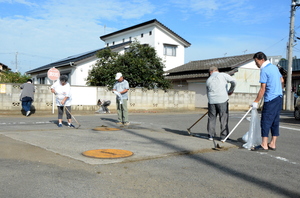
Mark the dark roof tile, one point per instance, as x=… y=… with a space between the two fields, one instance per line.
x=225 y=62
x=295 y=65
x=75 y=58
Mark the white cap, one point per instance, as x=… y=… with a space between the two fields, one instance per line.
x=118 y=76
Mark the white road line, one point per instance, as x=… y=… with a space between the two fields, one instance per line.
x=23 y=123
x=290 y=128
x=279 y=158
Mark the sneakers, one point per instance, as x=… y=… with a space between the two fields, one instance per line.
x=210 y=138
x=59 y=125
x=119 y=123
x=127 y=123
x=27 y=113
x=71 y=125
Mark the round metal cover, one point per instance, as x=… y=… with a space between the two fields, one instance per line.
x=107 y=153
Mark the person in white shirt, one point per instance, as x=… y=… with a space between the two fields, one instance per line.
x=62 y=90
x=121 y=88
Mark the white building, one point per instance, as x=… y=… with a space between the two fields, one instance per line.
x=168 y=45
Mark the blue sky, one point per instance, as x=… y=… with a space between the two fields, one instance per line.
x=44 y=31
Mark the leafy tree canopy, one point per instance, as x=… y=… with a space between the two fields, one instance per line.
x=13 y=77
x=140 y=66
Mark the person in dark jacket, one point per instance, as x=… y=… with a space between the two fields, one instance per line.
x=27 y=96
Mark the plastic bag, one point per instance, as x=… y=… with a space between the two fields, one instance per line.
x=119 y=96
x=253 y=136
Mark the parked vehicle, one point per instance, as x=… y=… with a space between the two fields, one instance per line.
x=297 y=109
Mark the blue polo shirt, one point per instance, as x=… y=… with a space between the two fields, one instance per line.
x=270 y=76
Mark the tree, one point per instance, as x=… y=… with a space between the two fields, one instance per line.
x=13 y=77
x=140 y=66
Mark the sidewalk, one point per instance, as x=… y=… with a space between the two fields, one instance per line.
x=150 y=135
x=18 y=112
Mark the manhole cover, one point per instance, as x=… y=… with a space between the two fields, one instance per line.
x=106 y=129
x=107 y=153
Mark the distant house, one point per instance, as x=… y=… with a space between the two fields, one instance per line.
x=76 y=67
x=168 y=45
x=193 y=75
x=4 y=68
x=295 y=73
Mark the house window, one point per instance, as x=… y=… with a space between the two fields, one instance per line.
x=129 y=38
x=150 y=33
x=113 y=43
x=42 y=80
x=170 y=50
x=123 y=40
x=107 y=44
x=142 y=35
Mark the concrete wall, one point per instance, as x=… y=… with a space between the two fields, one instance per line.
x=85 y=98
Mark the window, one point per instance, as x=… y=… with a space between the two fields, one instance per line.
x=150 y=33
x=113 y=43
x=170 y=50
x=107 y=44
x=129 y=38
x=123 y=40
x=41 y=80
x=142 y=35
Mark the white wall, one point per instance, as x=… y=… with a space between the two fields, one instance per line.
x=162 y=38
x=247 y=78
x=81 y=71
x=134 y=34
x=200 y=93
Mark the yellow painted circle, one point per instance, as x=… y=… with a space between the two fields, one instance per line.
x=107 y=153
x=106 y=129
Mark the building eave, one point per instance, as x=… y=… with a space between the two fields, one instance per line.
x=154 y=22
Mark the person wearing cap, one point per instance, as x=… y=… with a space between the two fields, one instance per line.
x=62 y=90
x=121 y=88
x=27 y=96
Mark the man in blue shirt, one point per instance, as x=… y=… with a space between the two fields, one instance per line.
x=271 y=90
x=121 y=88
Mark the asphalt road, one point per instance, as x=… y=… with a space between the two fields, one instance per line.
x=40 y=160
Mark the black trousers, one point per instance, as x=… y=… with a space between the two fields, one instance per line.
x=61 y=112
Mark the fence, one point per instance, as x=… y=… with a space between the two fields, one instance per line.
x=85 y=98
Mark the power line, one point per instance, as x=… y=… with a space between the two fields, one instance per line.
x=26 y=54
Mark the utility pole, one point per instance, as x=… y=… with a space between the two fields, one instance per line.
x=288 y=89
x=16 y=61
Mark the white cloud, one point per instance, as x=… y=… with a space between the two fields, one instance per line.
x=59 y=29
x=24 y=2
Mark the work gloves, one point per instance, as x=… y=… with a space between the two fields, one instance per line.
x=254 y=105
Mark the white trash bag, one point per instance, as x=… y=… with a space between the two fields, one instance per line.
x=119 y=96
x=253 y=136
